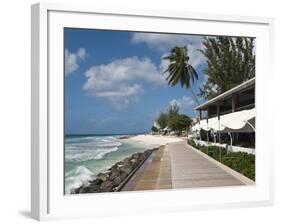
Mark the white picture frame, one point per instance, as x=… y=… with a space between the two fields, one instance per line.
x=48 y=201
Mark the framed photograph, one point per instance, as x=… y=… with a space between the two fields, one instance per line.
x=148 y=111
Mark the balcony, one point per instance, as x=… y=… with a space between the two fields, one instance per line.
x=245 y=107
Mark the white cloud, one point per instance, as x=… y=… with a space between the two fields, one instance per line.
x=185 y=102
x=81 y=53
x=196 y=57
x=165 y=42
x=121 y=81
x=72 y=60
x=164 y=63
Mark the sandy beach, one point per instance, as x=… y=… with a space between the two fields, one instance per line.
x=155 y=140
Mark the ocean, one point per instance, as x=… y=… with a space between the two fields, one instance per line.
x=88 y=155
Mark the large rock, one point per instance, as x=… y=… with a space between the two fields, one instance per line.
x=92 y=188
x=126 y=162
x=133 y=161
x=117 y=181
x=102 y=176
x=127 y=169
x=106 y=186
x=114 y=172
x=136 y=155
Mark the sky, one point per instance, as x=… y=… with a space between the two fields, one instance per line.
x=114 y=82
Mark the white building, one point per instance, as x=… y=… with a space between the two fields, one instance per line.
x=229 y=119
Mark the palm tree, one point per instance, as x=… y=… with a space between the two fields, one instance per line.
x=179 y=69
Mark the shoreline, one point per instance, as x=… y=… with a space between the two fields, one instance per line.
x=115 y=178
x=120 y=172
x=168 y=166
x=154 y=140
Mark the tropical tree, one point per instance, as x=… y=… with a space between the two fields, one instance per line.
x=173 y=119
x=180 y=70
x=230 y=61
x=173 y=110
x=179 y=122
x=163 y=119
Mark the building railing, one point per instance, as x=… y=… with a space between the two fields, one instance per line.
x=226 y=112
x=249 y=106
x=212 y=115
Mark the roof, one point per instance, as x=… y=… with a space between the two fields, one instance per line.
x=235 y=89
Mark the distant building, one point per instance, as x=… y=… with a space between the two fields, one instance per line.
x=229 y=118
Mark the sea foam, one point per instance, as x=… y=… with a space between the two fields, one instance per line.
x=86 y=156
x=77 y=177
x=93 y=148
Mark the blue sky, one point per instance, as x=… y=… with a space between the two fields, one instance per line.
x=114 y=80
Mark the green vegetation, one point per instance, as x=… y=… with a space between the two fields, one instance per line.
x=173 y=119
x=163 y=119
x=179 y=122
x=173 y=110
x=180 y=70
x=242 y=162
x=230 y=60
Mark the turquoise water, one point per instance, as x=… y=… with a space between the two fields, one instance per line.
x=88 y=155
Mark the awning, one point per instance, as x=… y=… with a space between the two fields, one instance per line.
x=212 y=123
x=237 y=120
x=240 y=121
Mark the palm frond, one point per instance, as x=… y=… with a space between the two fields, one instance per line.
x=180 y=71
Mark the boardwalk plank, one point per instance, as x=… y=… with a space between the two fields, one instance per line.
x=178 y=166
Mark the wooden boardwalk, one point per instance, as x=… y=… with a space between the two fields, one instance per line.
x=155 y=173
x=190 y=169
x=178 y=166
